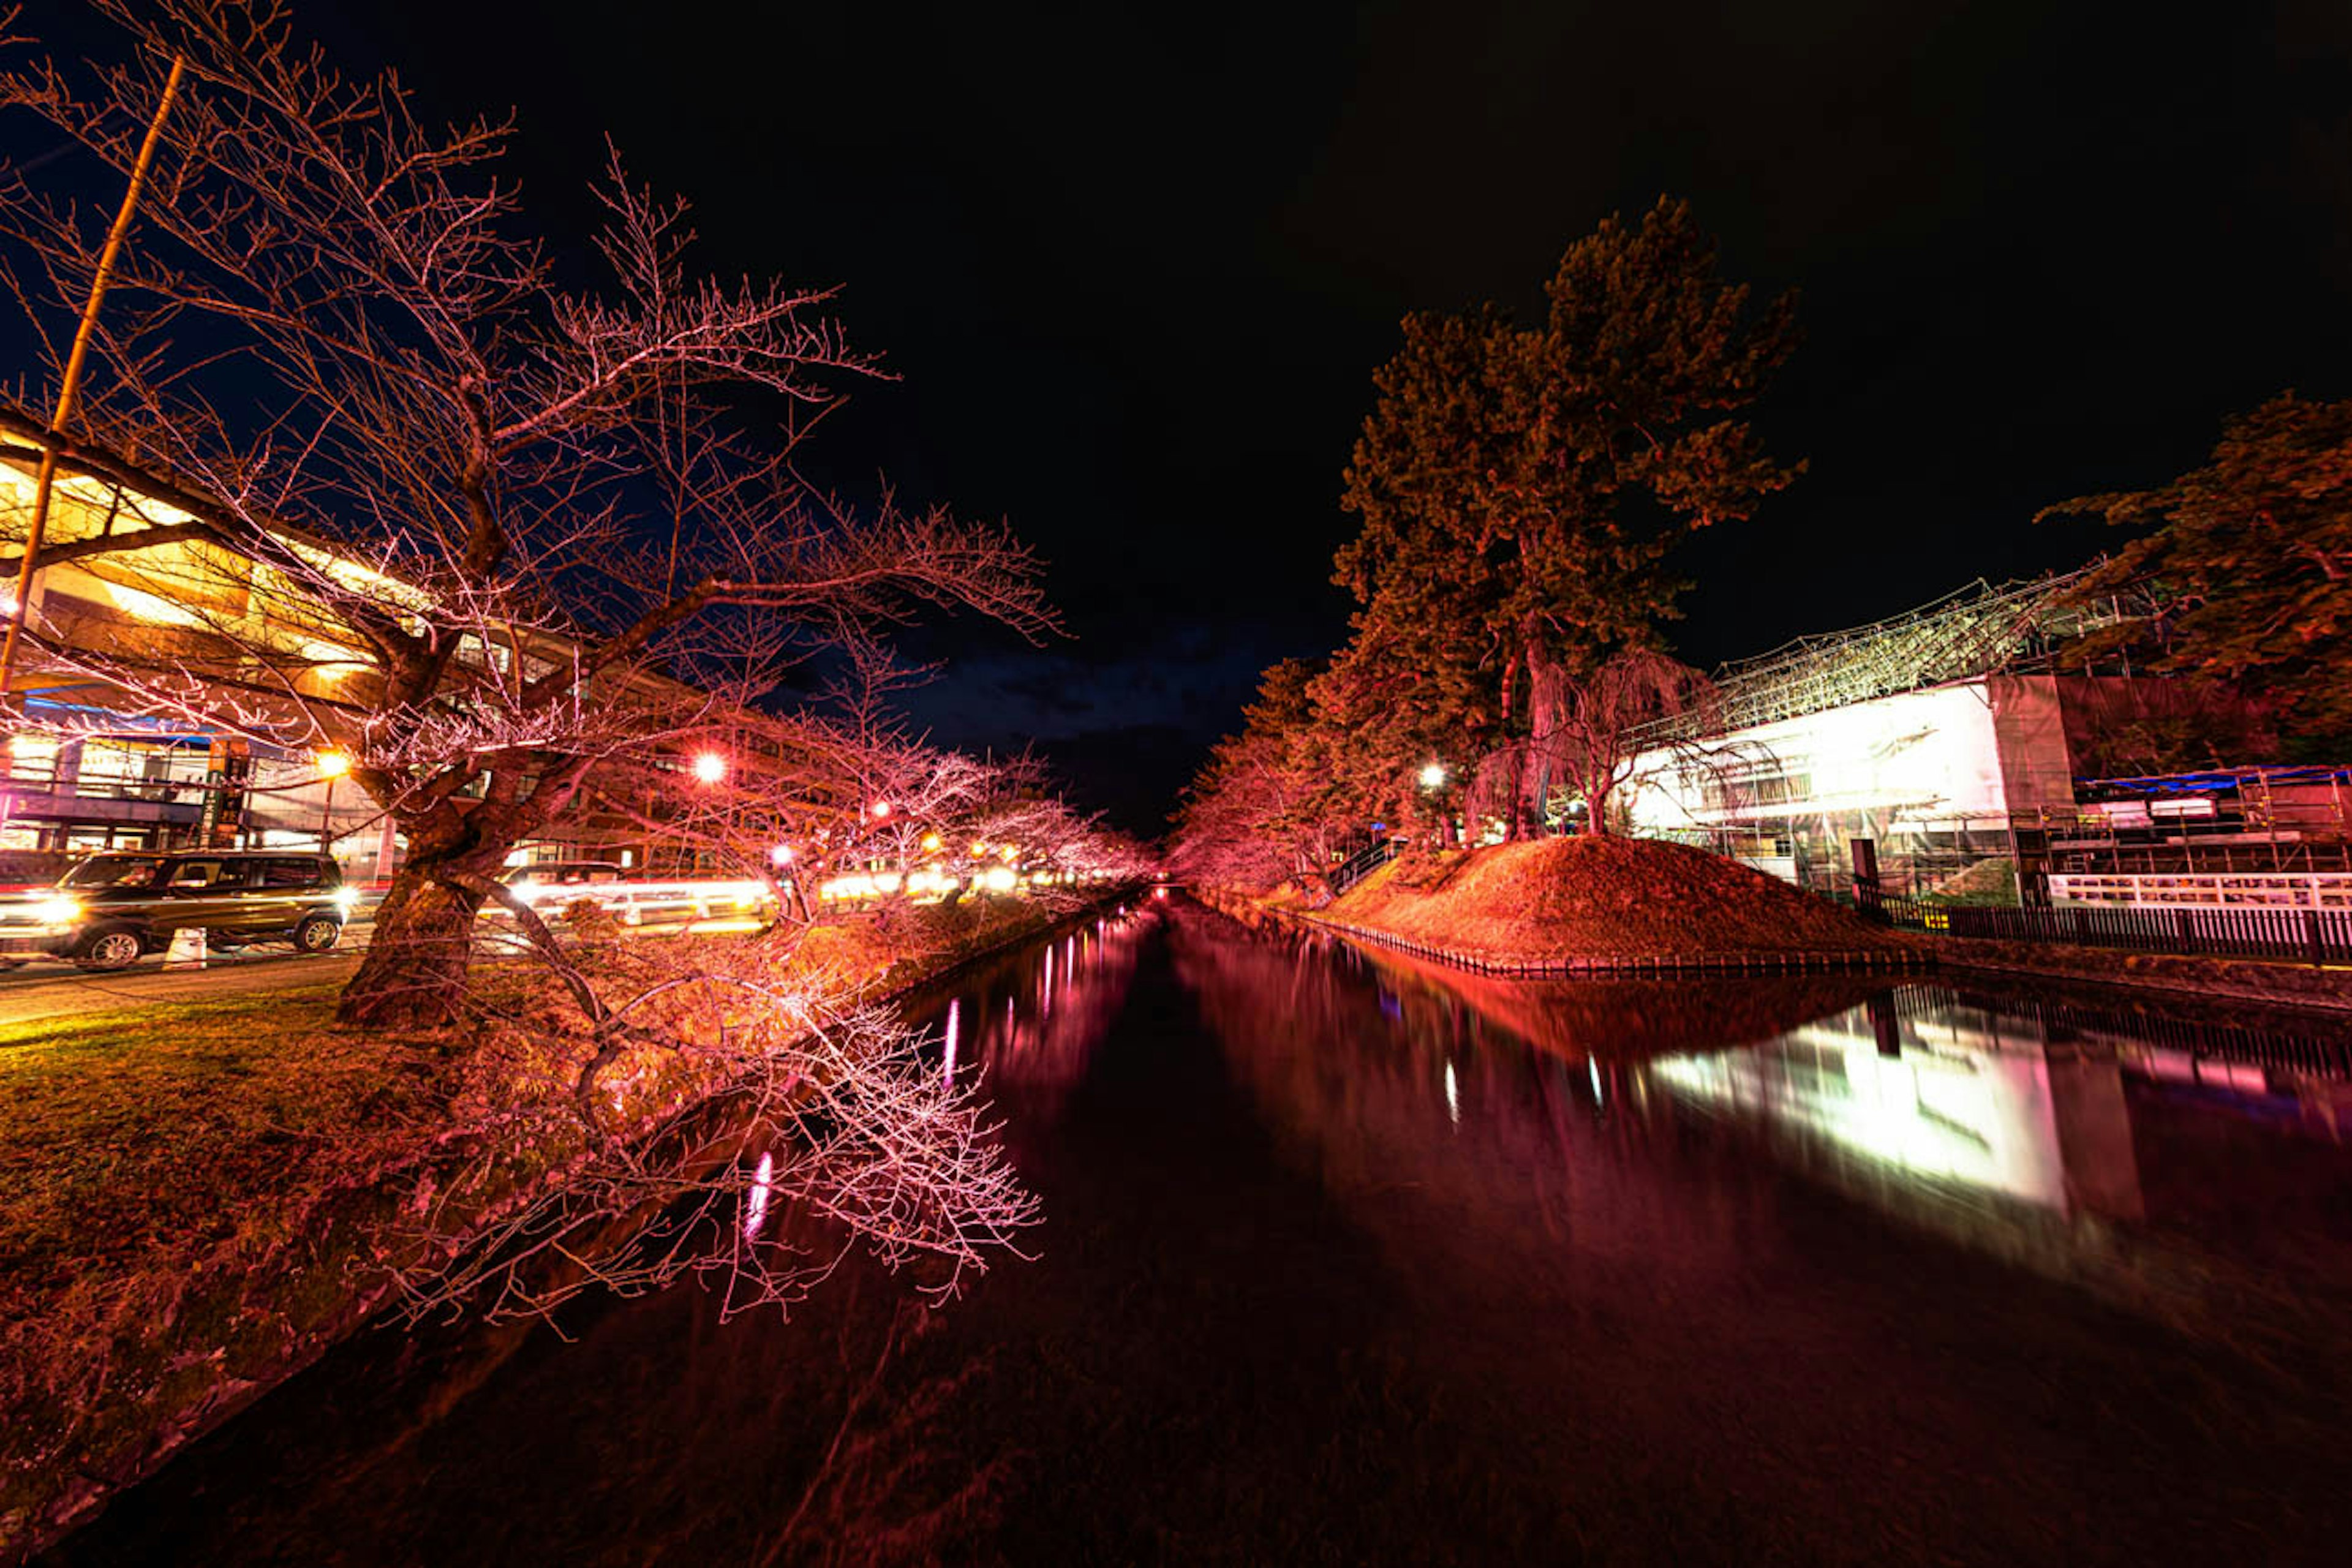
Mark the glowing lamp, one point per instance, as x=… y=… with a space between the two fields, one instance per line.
x=332 y=765
x=931 y=843
x=881 y=810
x=709 y=767
x=1432 y=776
x=781 y=855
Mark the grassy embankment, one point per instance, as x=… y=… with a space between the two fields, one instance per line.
x=194 y=1200
x=1567 y=904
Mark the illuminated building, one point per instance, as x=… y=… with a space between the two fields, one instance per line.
x=91 y=773
x=1947 y=739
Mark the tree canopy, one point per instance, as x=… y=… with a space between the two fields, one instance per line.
x=1520 y=492
x=1522 y=488
x=535 y=531
x=2248 y=562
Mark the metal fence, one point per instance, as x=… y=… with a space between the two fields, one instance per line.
x=1361 y=864
x=2302 y=936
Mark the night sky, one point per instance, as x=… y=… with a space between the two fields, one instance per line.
x=1135 y=269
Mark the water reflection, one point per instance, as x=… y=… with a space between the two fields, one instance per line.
x=1347 y=1261
x=2050 y=1105
x=1939 y=1091
x=1028 y=1024
x=2172 y=1163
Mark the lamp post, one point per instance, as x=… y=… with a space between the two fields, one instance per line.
x=1432 y=780
x=332 y=765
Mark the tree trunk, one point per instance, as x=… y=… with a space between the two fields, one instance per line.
x=414 y=975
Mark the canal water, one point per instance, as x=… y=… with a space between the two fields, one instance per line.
x=1351 y=1262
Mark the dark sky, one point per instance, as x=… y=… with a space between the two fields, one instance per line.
x=1134 y=267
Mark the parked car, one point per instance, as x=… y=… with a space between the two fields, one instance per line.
x=107 y=910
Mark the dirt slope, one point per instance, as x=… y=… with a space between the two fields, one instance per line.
x=1599 y=898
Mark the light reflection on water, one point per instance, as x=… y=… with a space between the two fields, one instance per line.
x=1346 y=1259
x=2171 y=1163
x=1949 y=1093
x=2053 y=1108
x=1036 y=1016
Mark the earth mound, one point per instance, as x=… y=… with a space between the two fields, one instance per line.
x=1556 y=898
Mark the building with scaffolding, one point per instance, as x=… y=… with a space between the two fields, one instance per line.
x=1949 y=740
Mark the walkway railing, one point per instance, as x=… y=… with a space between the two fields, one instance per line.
x=1362 y=864
x=2303 y=936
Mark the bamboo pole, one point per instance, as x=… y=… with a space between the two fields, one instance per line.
x=70 y=390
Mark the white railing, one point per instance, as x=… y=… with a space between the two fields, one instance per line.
x=2204 y=889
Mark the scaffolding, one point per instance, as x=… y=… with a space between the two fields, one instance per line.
x=1981 y=629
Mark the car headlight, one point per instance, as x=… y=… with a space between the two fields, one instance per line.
x=58 y=912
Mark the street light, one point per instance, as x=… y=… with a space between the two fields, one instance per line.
x=709 y=767
x=881 y=810
x=332 y=765
x=1433 y=776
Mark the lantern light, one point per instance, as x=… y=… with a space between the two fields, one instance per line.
x=1432 y=776
x=332 y=765
x=709 y=767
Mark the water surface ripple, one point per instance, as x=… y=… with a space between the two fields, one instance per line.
x=1349 y=1261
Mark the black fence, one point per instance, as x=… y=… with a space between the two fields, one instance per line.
x=2302 y=936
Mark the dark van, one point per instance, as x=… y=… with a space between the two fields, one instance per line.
x=110 y=908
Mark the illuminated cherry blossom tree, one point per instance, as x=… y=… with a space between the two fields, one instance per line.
x=536 y=532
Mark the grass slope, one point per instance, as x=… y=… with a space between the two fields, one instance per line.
x=192 y=1194
x=1599 y=898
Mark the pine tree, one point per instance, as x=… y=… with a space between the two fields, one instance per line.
x=2250 y=565
x=1521 y=488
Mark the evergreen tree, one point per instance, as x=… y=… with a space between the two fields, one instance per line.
x=2250 y=565
x=1521 y=488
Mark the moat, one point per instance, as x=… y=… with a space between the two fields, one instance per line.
x=1351 y=1262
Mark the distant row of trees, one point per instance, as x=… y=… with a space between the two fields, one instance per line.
x=1521 y=491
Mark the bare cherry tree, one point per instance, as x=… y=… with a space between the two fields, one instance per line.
x=491 y=534
x=837 y=1132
